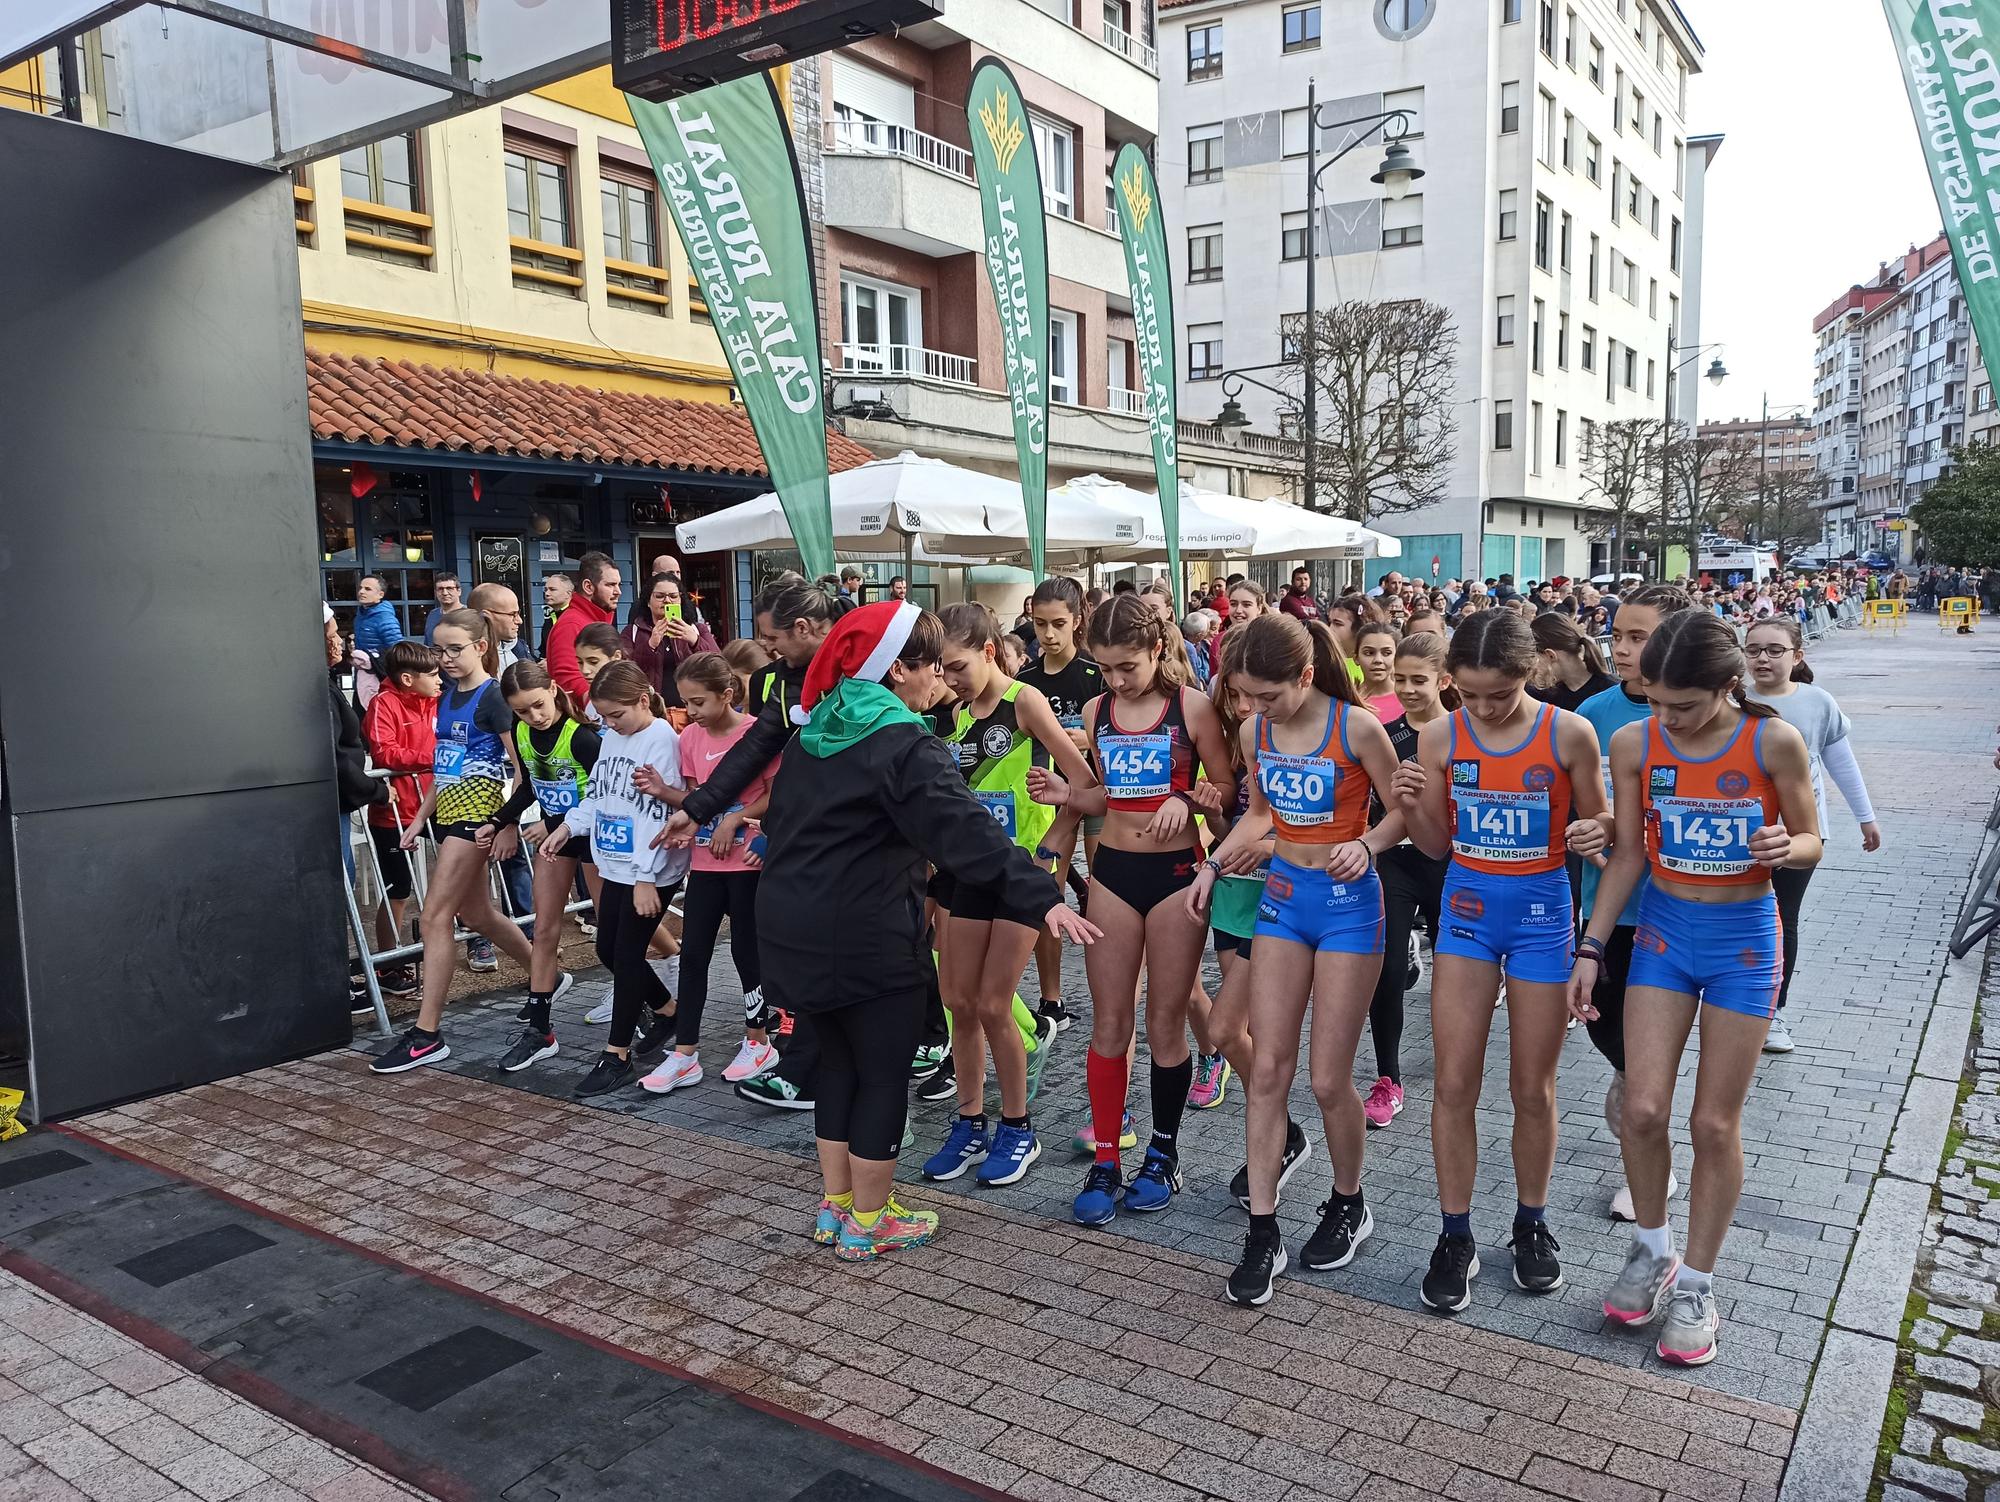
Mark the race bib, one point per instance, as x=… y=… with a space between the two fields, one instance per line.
x=1497 y=825
x=1300 y=789
x=1705 y=836
x=1000 y=806
x=612 y=835
x=556 y=798
x=448 y=761
x=707 y=831
x=1137 y=766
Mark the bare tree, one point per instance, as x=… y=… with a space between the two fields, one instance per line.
x=1714 y=477
x=1623 y=468
x=1383 y=377
x=1792 y=518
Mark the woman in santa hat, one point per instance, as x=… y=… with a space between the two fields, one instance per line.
x=864 y=799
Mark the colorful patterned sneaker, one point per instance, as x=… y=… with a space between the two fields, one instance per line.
x=751 y=1060
x=1384 y=1103
x=895 y=1229
x=675 y=1070
x=1641 y=1290
x=1085 y=1140
x=1012 y=1154
x=1688 y=1337
x=1211 y=1079
x=1156 y=1183
x=826 y=1228
x=1097 y=1203
x=775 y=1091
x=965 y=1147
x=1045 y=1034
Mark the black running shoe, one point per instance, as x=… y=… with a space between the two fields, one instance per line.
x=399 y=980
x=654 y=1036
x=411 y=1051
x=564 y=981
x=1058 y=1014
x=775 y=1091
x=942 y=1084
x=1263 y=1260
x=1447 y=1287
x=1338 y=1238
x=609 y=1073
x=1298 y=1148
x=1535 y=1267
x=530 y=1048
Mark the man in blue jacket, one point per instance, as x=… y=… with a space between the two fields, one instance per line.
x=376 y=628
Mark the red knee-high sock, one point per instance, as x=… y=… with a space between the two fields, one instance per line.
x=1106 y=1081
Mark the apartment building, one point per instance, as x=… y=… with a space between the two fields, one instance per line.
x=1552 y=222
x=1982 y=416
x=912 y=334
x=1940 y=351
x=1885 y=371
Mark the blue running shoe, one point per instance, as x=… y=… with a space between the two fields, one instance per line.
x=1013 y=1152
x=962 y=1149
x=1098 y=1202
x=1156 y=1183
x=826 y=1227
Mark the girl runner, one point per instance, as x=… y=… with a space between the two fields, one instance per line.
x=1780 y=678
x=553 y=751
x=1313 y=760
x=1375 y=651
x=468 y=785
x=722 y=880
x=1490 y=787
x=1412 y=882
x=1000 y=729
x=1068 y=680
x=638 y=879
x=1571 y=661
x=1147 y=856
x=1714 y=794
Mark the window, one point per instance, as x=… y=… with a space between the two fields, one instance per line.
x=1534 y=444
x=1631 y=369
x=1546 y=31
x=1411 y=100
x=1587 y=434
x=1652 y=297
x=1292 y=132
x=540 y=225
x=1563 y=245
x=1302 y=28
x=1656 y=132
x=1597 y=63
x=881 y=326
x=1535 y=336
x=1290 y=345
x=1204 y=153
x=1618 y=99
x=1510 y=12
x=1397 y=19
x=382 y=199
x=1510 y=108
x=1204 y=351
x=1503 y=320
x=1680 y=167
x=1545 y=126
x=1293 y=236
x=1681 y=78
x=1403 y=221
x=1593 y=158
x=1510 y=213
x=1638 y=112
x=1569 y=142
x=1055 y=153
x=1562 y=341
x=1204 y=52
x=1204 y=260
x=635 y=270
x=1593 y=268
x=1064 y=376
x=1650 y=365
x=1569 y=38
x=1503 y=425
x=1544 y=211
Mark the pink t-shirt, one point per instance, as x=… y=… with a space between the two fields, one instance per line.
x=701 y=752
x=1386 y=706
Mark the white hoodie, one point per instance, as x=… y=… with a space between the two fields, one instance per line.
x=619 y=820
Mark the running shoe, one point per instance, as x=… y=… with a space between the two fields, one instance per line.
x=1641 y=1290
x=585 y=927
x=826 y=1227
x=942 y=1085
x=675 y=1070
x=751 y=1060
x=1263 y=1260
x=895 y=1229
x=1779 y=1038
x=399 y=980
x=1211 y=1079
x=1688 y=1337
x=563 y=982
x=775 y=1091
x=1012 y=1154
x=479 y=954
x=1097 y=1203
x=411 y=1051
x=1085 y=1141
x=1156 y=1183
x=1057 y=1014
x=609 y=1073
x=1621 y=1202
x=1298 y=1148
x=929 y=1056
x=1338 y=1238
x=1045 y=1034
x=1536 y=1269
x=1384 y=1103
x=601 y=1013
x=530 y=1048
x=777 y=1022
x=1447 y=1287
x=656 y=1031
x=965 y=1146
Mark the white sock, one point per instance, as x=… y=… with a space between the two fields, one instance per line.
x=1658 y=1241
x=1690 y=1281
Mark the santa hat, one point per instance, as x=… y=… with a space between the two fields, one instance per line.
x=861 y=645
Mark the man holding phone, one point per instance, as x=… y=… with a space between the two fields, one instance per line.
x=662 y=638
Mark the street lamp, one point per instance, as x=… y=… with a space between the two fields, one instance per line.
x=1717 y=373
x=1763 y=436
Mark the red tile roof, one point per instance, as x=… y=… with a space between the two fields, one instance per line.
x=357 y=399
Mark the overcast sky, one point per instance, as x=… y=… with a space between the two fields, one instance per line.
x=1820 y=179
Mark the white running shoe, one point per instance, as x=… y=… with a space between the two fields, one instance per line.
x=751 y=1060
x=1779 y=1038
x=563 y=982
x=600 y=1014
x=676 y=1070
x=1621 y=1202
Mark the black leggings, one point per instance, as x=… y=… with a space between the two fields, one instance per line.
x=622 y=937
x=1412 y=885
x=711 y=896
x=1790 y=886
x=1607 y=1033
x=862 y=1092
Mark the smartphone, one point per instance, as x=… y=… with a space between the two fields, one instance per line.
x=673 y=610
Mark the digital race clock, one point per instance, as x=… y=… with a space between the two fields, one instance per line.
x=661 y=48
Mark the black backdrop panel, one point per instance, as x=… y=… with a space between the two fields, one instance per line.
x=163 y=701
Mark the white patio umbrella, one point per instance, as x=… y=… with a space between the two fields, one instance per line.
x=1292 y=531
x=1203 y=534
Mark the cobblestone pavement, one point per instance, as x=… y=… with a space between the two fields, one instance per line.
x=86 y=1412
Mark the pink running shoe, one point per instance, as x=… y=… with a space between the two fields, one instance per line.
x=751 y=1060
x=1384 y=1103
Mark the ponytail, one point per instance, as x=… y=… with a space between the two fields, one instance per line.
x=1278 y=648
x=1696 y=649
x=1428 y=647
x=1128 y=620
x=475 y=625
x=1330 y=675
x=625 y=682
x=527 y=676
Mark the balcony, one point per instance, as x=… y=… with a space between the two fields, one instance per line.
x=1131 y=49
x=1077 y=58
x=864 y=360
x=1131 y=403
x=913 y=190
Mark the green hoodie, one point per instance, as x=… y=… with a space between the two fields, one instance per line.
x=850 y=714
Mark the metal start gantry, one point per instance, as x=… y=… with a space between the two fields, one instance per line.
x=1981 y=913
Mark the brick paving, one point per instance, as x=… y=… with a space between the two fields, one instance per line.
x=86 y=1412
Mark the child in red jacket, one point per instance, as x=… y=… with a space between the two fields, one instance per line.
x=401 y=730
